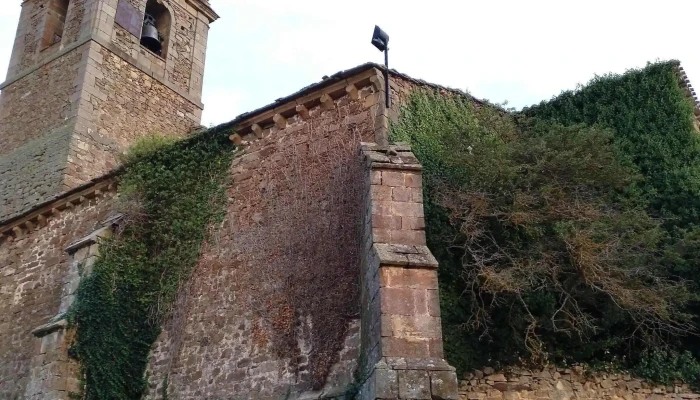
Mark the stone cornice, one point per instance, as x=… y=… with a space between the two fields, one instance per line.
x=39 y=216
x=42 y=62
x=203 y=7
x=257 y=124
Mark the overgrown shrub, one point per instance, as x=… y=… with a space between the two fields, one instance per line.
x=556 y=241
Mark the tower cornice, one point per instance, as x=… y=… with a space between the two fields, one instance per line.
x=204 y=7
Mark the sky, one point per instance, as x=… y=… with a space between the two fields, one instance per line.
x=520 y=51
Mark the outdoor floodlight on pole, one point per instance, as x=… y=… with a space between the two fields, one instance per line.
x=380 y=40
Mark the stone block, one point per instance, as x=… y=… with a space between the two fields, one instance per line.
x=443 y=385
x=412 y=223
x=416 y=326
x=386 y=383
x=407 y=209
x=414 y=385
x=381 y=208
x=381 y=193
x=414 y=180
x=417 y=195
x=405 y=347
x=401 y=194
x=376 y=177
x=408 y=277
x=416 y=238
x=393 y=178
x=387 y=222
x=433 y=302
x=398 y=301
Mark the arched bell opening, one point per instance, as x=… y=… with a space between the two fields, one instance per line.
x=55 y=22
x=156 y=28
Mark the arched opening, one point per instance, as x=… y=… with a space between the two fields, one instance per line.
x=55 y=22
x=156 y=28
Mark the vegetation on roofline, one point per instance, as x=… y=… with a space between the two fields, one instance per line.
x=170 y=193
x=569 y=232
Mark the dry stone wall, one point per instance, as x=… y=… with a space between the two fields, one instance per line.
x=565 y=384
x=272 y=309
x=34 y=270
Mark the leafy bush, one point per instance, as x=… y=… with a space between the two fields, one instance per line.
x=556 y=241
x=668 y=366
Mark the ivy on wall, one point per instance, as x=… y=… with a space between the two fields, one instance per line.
x=170 y=193
x=566 y=233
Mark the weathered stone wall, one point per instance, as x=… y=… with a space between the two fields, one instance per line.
x=564 y=384
x=105 y=94
x=40 y=102
x=119 y=104
x=29 y=33
x=35 y=132
x=183 y=64
x=33 y=173
x=34 y=271
x=401 y=330
x=32 y=42
x=272 y=309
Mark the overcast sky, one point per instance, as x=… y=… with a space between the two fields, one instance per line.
x=523 y=51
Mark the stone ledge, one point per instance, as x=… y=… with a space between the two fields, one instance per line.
x=92 y=238
x=424 y=364
x=38 y=217
x=55 y=324
x=396 y=156
x=404 y=255
x=427 y=379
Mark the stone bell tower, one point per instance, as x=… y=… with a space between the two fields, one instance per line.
x=86 y=79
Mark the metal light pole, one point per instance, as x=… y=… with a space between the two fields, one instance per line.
x=380 y=40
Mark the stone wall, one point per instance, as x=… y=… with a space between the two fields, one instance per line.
x=564 y=384
x=102 y=95
x=35 y=24
x=273 y=307
x=119 y=104
x=29 y=33
x=33 y=173
x=183 y=64
x=34 y=270
x=35 y=132
x=21 y=101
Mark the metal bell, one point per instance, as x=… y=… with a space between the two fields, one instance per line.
x=150 y=38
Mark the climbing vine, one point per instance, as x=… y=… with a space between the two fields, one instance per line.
x=170 y=193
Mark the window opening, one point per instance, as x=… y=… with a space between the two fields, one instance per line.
x=156 y=28
x=55 y=23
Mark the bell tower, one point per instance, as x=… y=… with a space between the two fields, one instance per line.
x=86 y=79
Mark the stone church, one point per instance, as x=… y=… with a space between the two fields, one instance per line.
x=87 y=78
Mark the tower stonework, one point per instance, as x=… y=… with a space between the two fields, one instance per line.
x=80 y=89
